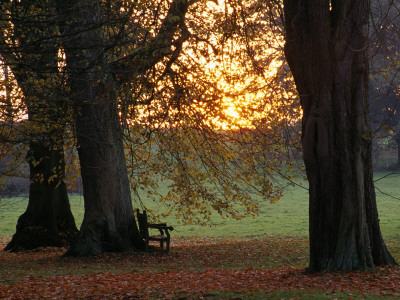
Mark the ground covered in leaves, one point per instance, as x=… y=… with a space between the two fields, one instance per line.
x=257 y=267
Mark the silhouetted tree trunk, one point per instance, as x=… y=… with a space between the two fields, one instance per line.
x=109 y=223
x=327 y=53
x=48 y=220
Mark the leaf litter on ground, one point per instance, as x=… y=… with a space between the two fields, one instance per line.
x=195 y=268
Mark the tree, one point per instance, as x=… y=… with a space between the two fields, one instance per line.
x=209 y=120
x=131 y=60
x=109 y=223
x=32 y=56
x=327 y=51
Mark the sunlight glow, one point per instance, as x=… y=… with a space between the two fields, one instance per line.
x=11 y=103
x=242 y=87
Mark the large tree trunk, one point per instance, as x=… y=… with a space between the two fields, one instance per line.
x=109 y=223
x=326 y=49
x=48 y=220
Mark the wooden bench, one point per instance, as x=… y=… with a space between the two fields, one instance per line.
x=144 y=227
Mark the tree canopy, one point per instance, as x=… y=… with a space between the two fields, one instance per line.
x=183 y=101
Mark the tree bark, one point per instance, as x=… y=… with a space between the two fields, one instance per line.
x=109 y=223
x=326 y=49
x=48 y=220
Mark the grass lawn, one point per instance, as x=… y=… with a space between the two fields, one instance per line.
x=249 y=259
x=287 y=217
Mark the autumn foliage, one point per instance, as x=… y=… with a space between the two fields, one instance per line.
x=197 y=267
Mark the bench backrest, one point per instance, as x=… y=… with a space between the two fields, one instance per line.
x=142 y=220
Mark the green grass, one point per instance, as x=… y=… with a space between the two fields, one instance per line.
x=287 y=217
